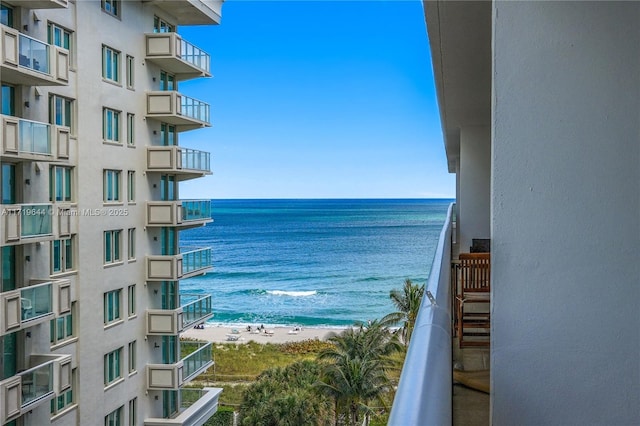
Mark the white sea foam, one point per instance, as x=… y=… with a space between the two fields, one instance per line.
x=292 y=293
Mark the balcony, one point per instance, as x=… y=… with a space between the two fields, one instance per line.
x=41 y=4
x=32 y=223
x=183 y=213
x=33 y=141
x=191 y=12
x=189 y=263
x=46 y=377
x=173 y=376
x=184 y=163
x=196 y=407
x=174 y=108
x=177 y=56
x=25 y=60
x=39 y=302
x=194 y=309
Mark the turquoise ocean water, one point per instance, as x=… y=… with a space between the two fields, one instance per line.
x=313 y=262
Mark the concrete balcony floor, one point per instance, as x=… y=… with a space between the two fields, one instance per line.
x=470 y=406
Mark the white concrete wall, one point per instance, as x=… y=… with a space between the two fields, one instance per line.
x=474 y=182
x=565 y=213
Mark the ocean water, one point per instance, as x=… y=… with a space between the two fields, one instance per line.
x=313 y=262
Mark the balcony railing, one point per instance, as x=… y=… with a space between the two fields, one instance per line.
x=172 y=107
x=183 y=162
x=47 y=376
x=196 y=407
x=172 y=376
x=424 y=391
x=30 y=223
x=28 y=61
x=32 y=140
x=37 y=303
x=195 y=259
x=194 y=309
x=178 y=213
x=190 y=262
x=177 y=56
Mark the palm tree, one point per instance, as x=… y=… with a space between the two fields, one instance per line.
x=407 y=302
x=355 y=372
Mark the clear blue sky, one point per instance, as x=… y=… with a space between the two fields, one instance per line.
x=318 y=99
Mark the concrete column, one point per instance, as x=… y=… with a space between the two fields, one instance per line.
x=474 y=185
x=565 y=342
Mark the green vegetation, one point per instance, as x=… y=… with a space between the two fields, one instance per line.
x=346 y=381
x=407 y=302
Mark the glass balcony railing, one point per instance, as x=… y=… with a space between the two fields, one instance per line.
x=34 y=137
x=194 y=108
x=34 y=54
x=195 y=160
x=36 y=219
x=196 y=210
x=200 y=355
x=36 y=301
x=195 y=259
x=194 y=55
x=194 y=308
x=36 y=382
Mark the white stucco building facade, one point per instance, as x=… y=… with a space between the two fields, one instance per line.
x=90 y=303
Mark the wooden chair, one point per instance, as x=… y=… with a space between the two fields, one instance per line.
x=473 y=297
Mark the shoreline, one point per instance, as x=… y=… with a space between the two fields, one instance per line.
x=236 y=333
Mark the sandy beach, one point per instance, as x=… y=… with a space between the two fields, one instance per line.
x=228 y=334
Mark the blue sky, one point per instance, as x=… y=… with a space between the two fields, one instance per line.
x=315 y=99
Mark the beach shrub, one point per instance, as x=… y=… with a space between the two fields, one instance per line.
x=309 y=346
x=286 y=396
x=222 y=417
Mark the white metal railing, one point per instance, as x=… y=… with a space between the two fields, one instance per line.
x=424 y=392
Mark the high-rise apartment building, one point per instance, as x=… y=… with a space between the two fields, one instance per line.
x=90 y=304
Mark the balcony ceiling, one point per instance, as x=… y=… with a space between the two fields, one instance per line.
x=192 y=12
x=460 y=40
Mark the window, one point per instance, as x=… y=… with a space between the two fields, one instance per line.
x=168 y=135
x=131 y=186
x=114 y=418
x=6 y=15
x=60 y=110
x=110 y=125
x=131 y=249
x=60 y=183
x=167 y=81
x=131 y=137
x=112 y=7
x=162 y=26
x=61 y=329
x=130 y=71
x=62 y=256
x=111 y=186
x=112 y=366
x=132 y=357
x=112 y=246
x=112 y=306
x=8 y=180
x=8 y=100
x=133 y=411
x=132 y=300
x=60 y=37
x=65 y=399
x=110 y=64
